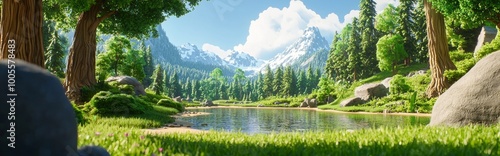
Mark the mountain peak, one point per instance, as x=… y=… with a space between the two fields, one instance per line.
x=311 y=32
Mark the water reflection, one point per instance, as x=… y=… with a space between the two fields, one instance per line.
x=253 y=120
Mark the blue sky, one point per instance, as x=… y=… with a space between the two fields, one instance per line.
x=259 y=28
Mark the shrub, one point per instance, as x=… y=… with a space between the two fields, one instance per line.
x=399 y=85
x=456 y=56
x=172 y=104
x=489 y=47
x=463 y=67
x=108 y=104
x=80 y=118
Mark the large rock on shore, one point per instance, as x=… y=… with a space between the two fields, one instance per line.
x=352 y=102
x=369 y=91
x=474 y=98
x=138 y=87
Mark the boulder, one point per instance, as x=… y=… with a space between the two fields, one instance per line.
x=138 y=87
x=416 y=73
x=386 y=82
x=313 y=103
x=352 y=102
x=208 y=103
x=474 y=98
x=178 y=99
x=368 y=91
x=38 y=116
x=303 y=104
x=486 y=35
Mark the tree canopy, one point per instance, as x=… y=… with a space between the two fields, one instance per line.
x=469 y=13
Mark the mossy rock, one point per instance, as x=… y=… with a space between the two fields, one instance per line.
x=108 y=104
x=172 y=104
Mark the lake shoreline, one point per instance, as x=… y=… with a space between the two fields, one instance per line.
x=317 y=109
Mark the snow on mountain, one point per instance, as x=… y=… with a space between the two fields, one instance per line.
x=190 y=52
x=310 y=42
x=242 y=60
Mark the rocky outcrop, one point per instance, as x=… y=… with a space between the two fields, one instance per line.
x=207 y=103
x=303 y=104
x=474 y=98
x=178 y=99
x=352 y=102
x=138 y=87
x=487 y=35
x=368 y=91
x=416 y=73
x=386 y=82
x=313 y=103
x=37 y=113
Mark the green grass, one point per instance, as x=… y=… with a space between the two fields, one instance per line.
x=156 y=118
x=419 y=140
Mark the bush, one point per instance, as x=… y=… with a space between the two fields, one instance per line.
x=463 y=67
x=172 y=104
x=106 y=103
x=456 y=56
x=489 y=47
x=399 y=85
x=80 y=118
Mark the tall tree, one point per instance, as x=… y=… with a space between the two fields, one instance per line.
x=134 y=64
x=422 y=50
x=354 y=51
x=439 y=57
x=175 y=86
x=148 y=63
x=110 y=17
x=21 y=31
x=260 y=86
x=405 y=20
x=188 y=88
x=330 y=63
x=54 y=61
x=196 y=89
x=287 y=84
x=278 y=81
x=268 y=82
x=387 y=21
x=114 y=57
x=158 y=83
x=369 y=37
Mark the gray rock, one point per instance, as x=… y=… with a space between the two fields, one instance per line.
x=44 y=122
x=368 y=91
x=208 y=103
x=486 y=35
x=303 y=104
x=178 y=99
x=416 y=73
x=386 y=82
x=138 y=87
x=313 y=103
x=474 y=98
x=352 y=102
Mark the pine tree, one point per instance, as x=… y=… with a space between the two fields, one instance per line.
x=175 y=85
x=54 y=56
x=353 y=51
x=405 y=20
x=287 y=84
x=158 y=83
x=301 y=82
x=148 y=64
x=278 y=80
x=134 y=64
x=268 y=82
x=196 y=89
x=260 y=86
x=369 y=38
x=330 y=64
x=422 y=50
x=167 y=89
x=223 y=91
x=293 y=88
x=309 y=80
x=188 y=88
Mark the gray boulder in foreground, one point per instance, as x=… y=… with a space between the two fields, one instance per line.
x=474 y=98
x=45 y=122
x=369 y=91
x=138 y=87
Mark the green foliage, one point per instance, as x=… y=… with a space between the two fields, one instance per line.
x=406 y=23
x=387 y=20
x=158 y=84
x=399 y=85
x=390 y=50
x=412 y=102
x=172 y=104
x=54 y=55
x=88 y=92
x=463 y=61
x=277 y=81
x=469 y=13
x=327 y=89
x=106 y=103
x=268 y=82
x=134 y=65
x=149 y=66
x=80 y=118
x=114 y=57
x=354 y=52
x=369 y=38
x=489 y=47
x=419 y=29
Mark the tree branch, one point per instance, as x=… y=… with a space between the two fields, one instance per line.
x=102 y=18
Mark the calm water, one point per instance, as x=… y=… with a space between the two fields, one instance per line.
x=253 y=120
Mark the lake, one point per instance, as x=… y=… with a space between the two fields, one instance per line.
x=263 y=120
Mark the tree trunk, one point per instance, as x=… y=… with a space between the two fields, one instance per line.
x=80 y=70
x=439 y=57
x=21 y=30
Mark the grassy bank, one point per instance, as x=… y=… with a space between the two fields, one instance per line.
x=470 y=140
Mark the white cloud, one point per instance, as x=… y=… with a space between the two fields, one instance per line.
x=216 y=50
x=382 y=4
x=275 y=28
x=348 y=17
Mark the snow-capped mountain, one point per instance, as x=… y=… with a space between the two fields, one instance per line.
x=310 y=42
x=242 y=60
x=190 y=52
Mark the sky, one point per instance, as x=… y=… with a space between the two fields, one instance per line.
x=261 y=28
